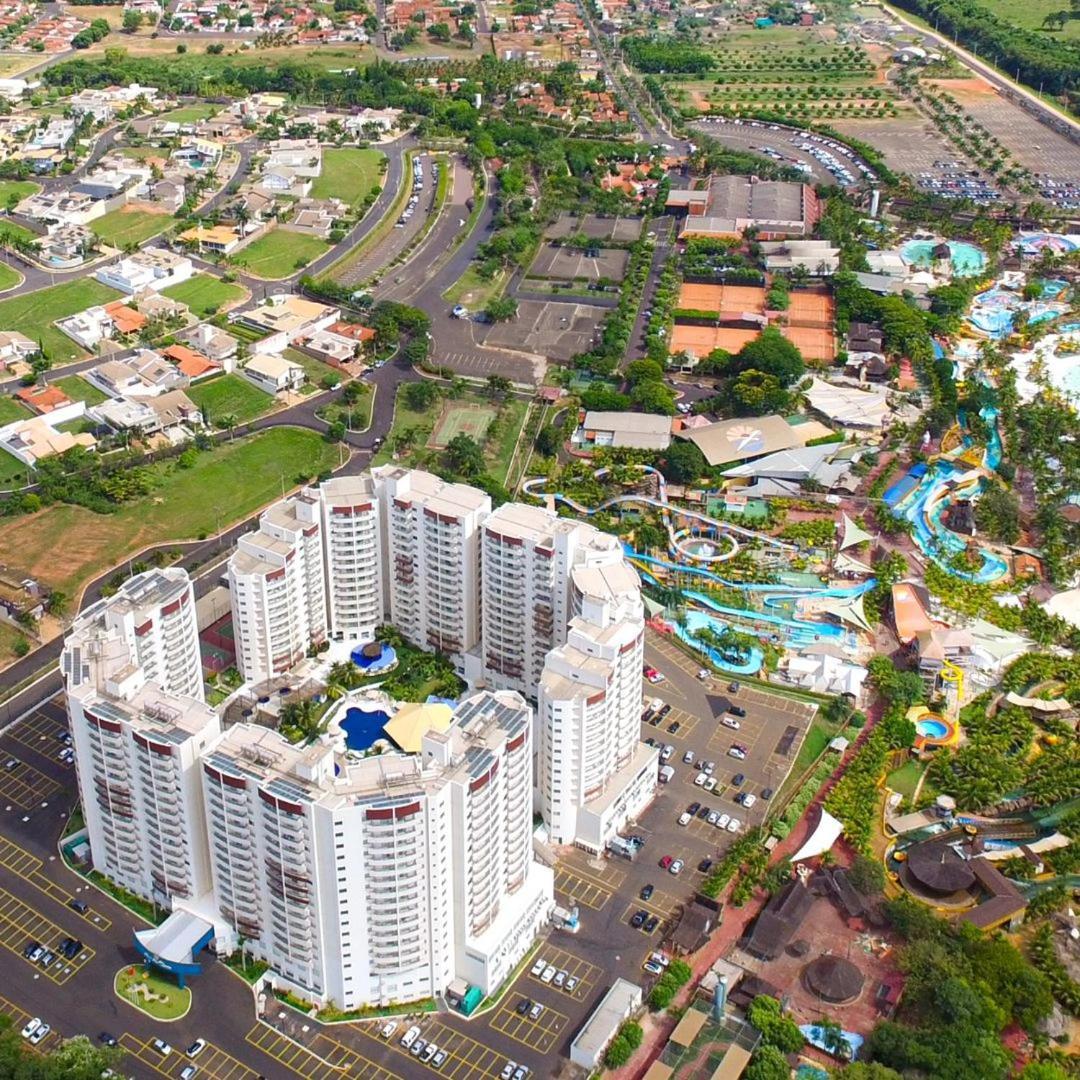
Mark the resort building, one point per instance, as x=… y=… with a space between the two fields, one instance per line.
x=593 y=772
x=387 y=882
x=278 y=590
x=353 y=544
x=431 y=558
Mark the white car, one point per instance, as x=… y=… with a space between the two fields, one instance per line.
x=685 y=818
x=196 y=1048
x=703 y=673
x=688 y=757
x=665 y=754
x=388 y=1029
x=699 y=780
x=722 y=821
x=508 y=1070
x=188 y=1072
x=676 y=867
x=730 y=722
x=460 y=311
x=712 y=818
x=737 y=754
x=31 y=1026
x=537 y=968
x=409 y=1037
x=734 y=825
x=748 y=800
x=39 y=1034
x=652 y=967
x=710 y=784
x=659 y=958
x=162 y=1047
x=548 y=975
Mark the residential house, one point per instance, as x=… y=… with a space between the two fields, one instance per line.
x=340 y=342
x=42 y=398
x=273 y=373
x=65 y=207
x=145 y=374
x=218 y=239
x=15 y=346
x=192 y=365
x=291 y=316
x=214 y=344
x=56 y=135
x=152 y=268
x=35 y=439
x=96 y=324
x=172 y=414
x=316 y=217
x=66 y=246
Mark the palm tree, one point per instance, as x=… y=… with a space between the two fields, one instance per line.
x=341 y=678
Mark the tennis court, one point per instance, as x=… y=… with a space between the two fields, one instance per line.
x=701 y=340
x=723 y=299
x=810 y=309
x=471 y=420
x=814 y=342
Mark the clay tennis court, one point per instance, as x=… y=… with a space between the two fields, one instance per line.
x=814 y=342
x=702 y=340
x=723 y=299
x=471 y=420
x=574 y=264
x=810 y=309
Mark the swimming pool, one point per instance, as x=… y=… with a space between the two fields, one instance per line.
x=931 y=729
x=363 y=727
x=966 y=258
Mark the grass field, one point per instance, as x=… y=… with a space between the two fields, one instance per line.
x=78 y=389
x=190 y=114
x=229 y=395
x=10 y=636
x=17 y=231
x=12 y=410
x=17 y=189
x=1030 y=15
x=174 y=1004
x=906 y=778
x=347 y=174
x=123 y=227
x=65 y=546
x=13 y=473
x=473 y=291
x=34 y=313
x=204 y=293
x=280 y=254
x=315 y=370
x=9 y=278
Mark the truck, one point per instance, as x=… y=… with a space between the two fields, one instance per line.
x=566 y=919
x=666 y=773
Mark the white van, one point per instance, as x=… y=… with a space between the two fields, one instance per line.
x=410 y=1037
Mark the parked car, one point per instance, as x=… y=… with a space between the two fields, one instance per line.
x=549 y=974
x=388 y=1029
x=409 y=1037
x=31 y=1026
x=736 y=710
x=737 y=753
x=676 y=867
x=748 y=799
x=722 y=821
x=107 y=1039
x=688 y=757
x=79 y=906
x=713 y=815
x=665 y=754
x=730 y=722
x=700 y=779
x=665 y=862
x=560 y=978
x=428 y=1052
x=188 y=1071
x=734 y=825
x=654 y=676
x=39 y=1034
x=704 y=866
x=652 y=967
x=535 y=1010
x=538 y=967
x=710 y=784
x=571 y=984
x=417 y=1047
x=737 y=779
x=637 y=920
x=673 y=727
x=766 y=793
x=646 y=892
x=438 y=1059
x=732 y=687
x=703 y=673
x=161 y=1046
x=651 y=923
x=508 y=1070
x=685 y=818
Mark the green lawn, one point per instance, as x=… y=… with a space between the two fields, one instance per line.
x=190 y=114
x=315 y=370
x=123 y=227
x=473 y=291
x=13 y=473
x=229 y=395
x=34 y=313
x=347 y=174
x=10 y=636
x=9 y=278
x=20 y=189
x=78 y=389
x=204 y=293
x=1031 y=13
x=65 y=546
x=906 y=778
x=12 y=410
x=20 y=232
x=173 y=1004
x=280 y=254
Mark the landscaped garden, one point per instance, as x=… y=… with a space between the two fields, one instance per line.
x=280 y=253
x=229 y=400
x=151 y=993
x=348 y=174
x=64 y=545
x=33 y=313
x=204 y=294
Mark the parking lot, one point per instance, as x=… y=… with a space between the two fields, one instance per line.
x=23 y=785
x=212 y=1063
x=20 y=925
x=41 y=733
x=555 y=329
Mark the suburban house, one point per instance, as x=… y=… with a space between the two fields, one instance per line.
x=291 y=316
x=172 y=414
x=96 y=324
x=153 y=268
x=144 y=375
x=219 y=239
x=274 y=373
x=340 y=342
x=192 y=365
x=214 y=344
x=15 y=346
x=35 y=439
x=42 y=399
x=67 y=207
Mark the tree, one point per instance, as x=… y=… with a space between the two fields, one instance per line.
x=997 y=513
x=548 y=440
x=643 y=371
x=132 y=21
x=465 y=456
x=683 y=463
x=778 y=1030
x=867 y=875
x=421 y=395
x=439 y=31
x=768 y=1064
x=501 y=309
x=497 y=385
x=756 y=393
x=654 y=397
x=773 y=354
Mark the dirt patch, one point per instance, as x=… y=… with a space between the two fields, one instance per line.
x=959 y=87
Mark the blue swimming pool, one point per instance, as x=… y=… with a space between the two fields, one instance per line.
x=363 y=727
x=966 y=258
x=931 y=729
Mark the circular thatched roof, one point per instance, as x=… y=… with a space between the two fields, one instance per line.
x=372 y=650
x=833 y=979
x=938 y=868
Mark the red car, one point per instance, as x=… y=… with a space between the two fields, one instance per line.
x=665 y=862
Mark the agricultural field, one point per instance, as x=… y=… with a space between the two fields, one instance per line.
x=348 y=174
x=223 y=486
x=123 y=227
x=204 y=294
x=795 y=77
x=34 y=313
x=280 y=254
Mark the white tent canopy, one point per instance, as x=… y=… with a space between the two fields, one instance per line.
x=852 y=534
x=821 y=839
x=848 y=406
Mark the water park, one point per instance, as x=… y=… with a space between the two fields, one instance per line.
x=952 y=258
x=720 y=613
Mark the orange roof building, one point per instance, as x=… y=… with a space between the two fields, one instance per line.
x=42 y=399
x=126 y=320
x=190 y=363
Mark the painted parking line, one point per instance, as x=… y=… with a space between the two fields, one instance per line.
x=581 y=891
x=39 y=732
x=541 y=1034
x=31 y=869
x=18 y=1018
x=575 y=968
x=635 y=906
x=24 y=785
x=466 y=1059
x=20 y=924
x=348 y=1059
x=216 y=1064
x=291 y=1055
x=144 y=1052
x=607 y=875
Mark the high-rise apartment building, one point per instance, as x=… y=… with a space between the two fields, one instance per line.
x=353 y=546
x=277 y=586
x=529 y=554
x=154 y=613
x=593 y=772
x=391 y=879
x=137 y=750
x=431 y=553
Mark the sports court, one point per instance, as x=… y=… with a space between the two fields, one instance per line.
x=702 y=340
x=620 y=230
x=810 y=309
x=725 y=300
x=471 y=420
x=554 y=263
x=814 y=342
x=549 y=328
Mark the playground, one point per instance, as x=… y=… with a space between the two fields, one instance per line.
x=471 y=420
